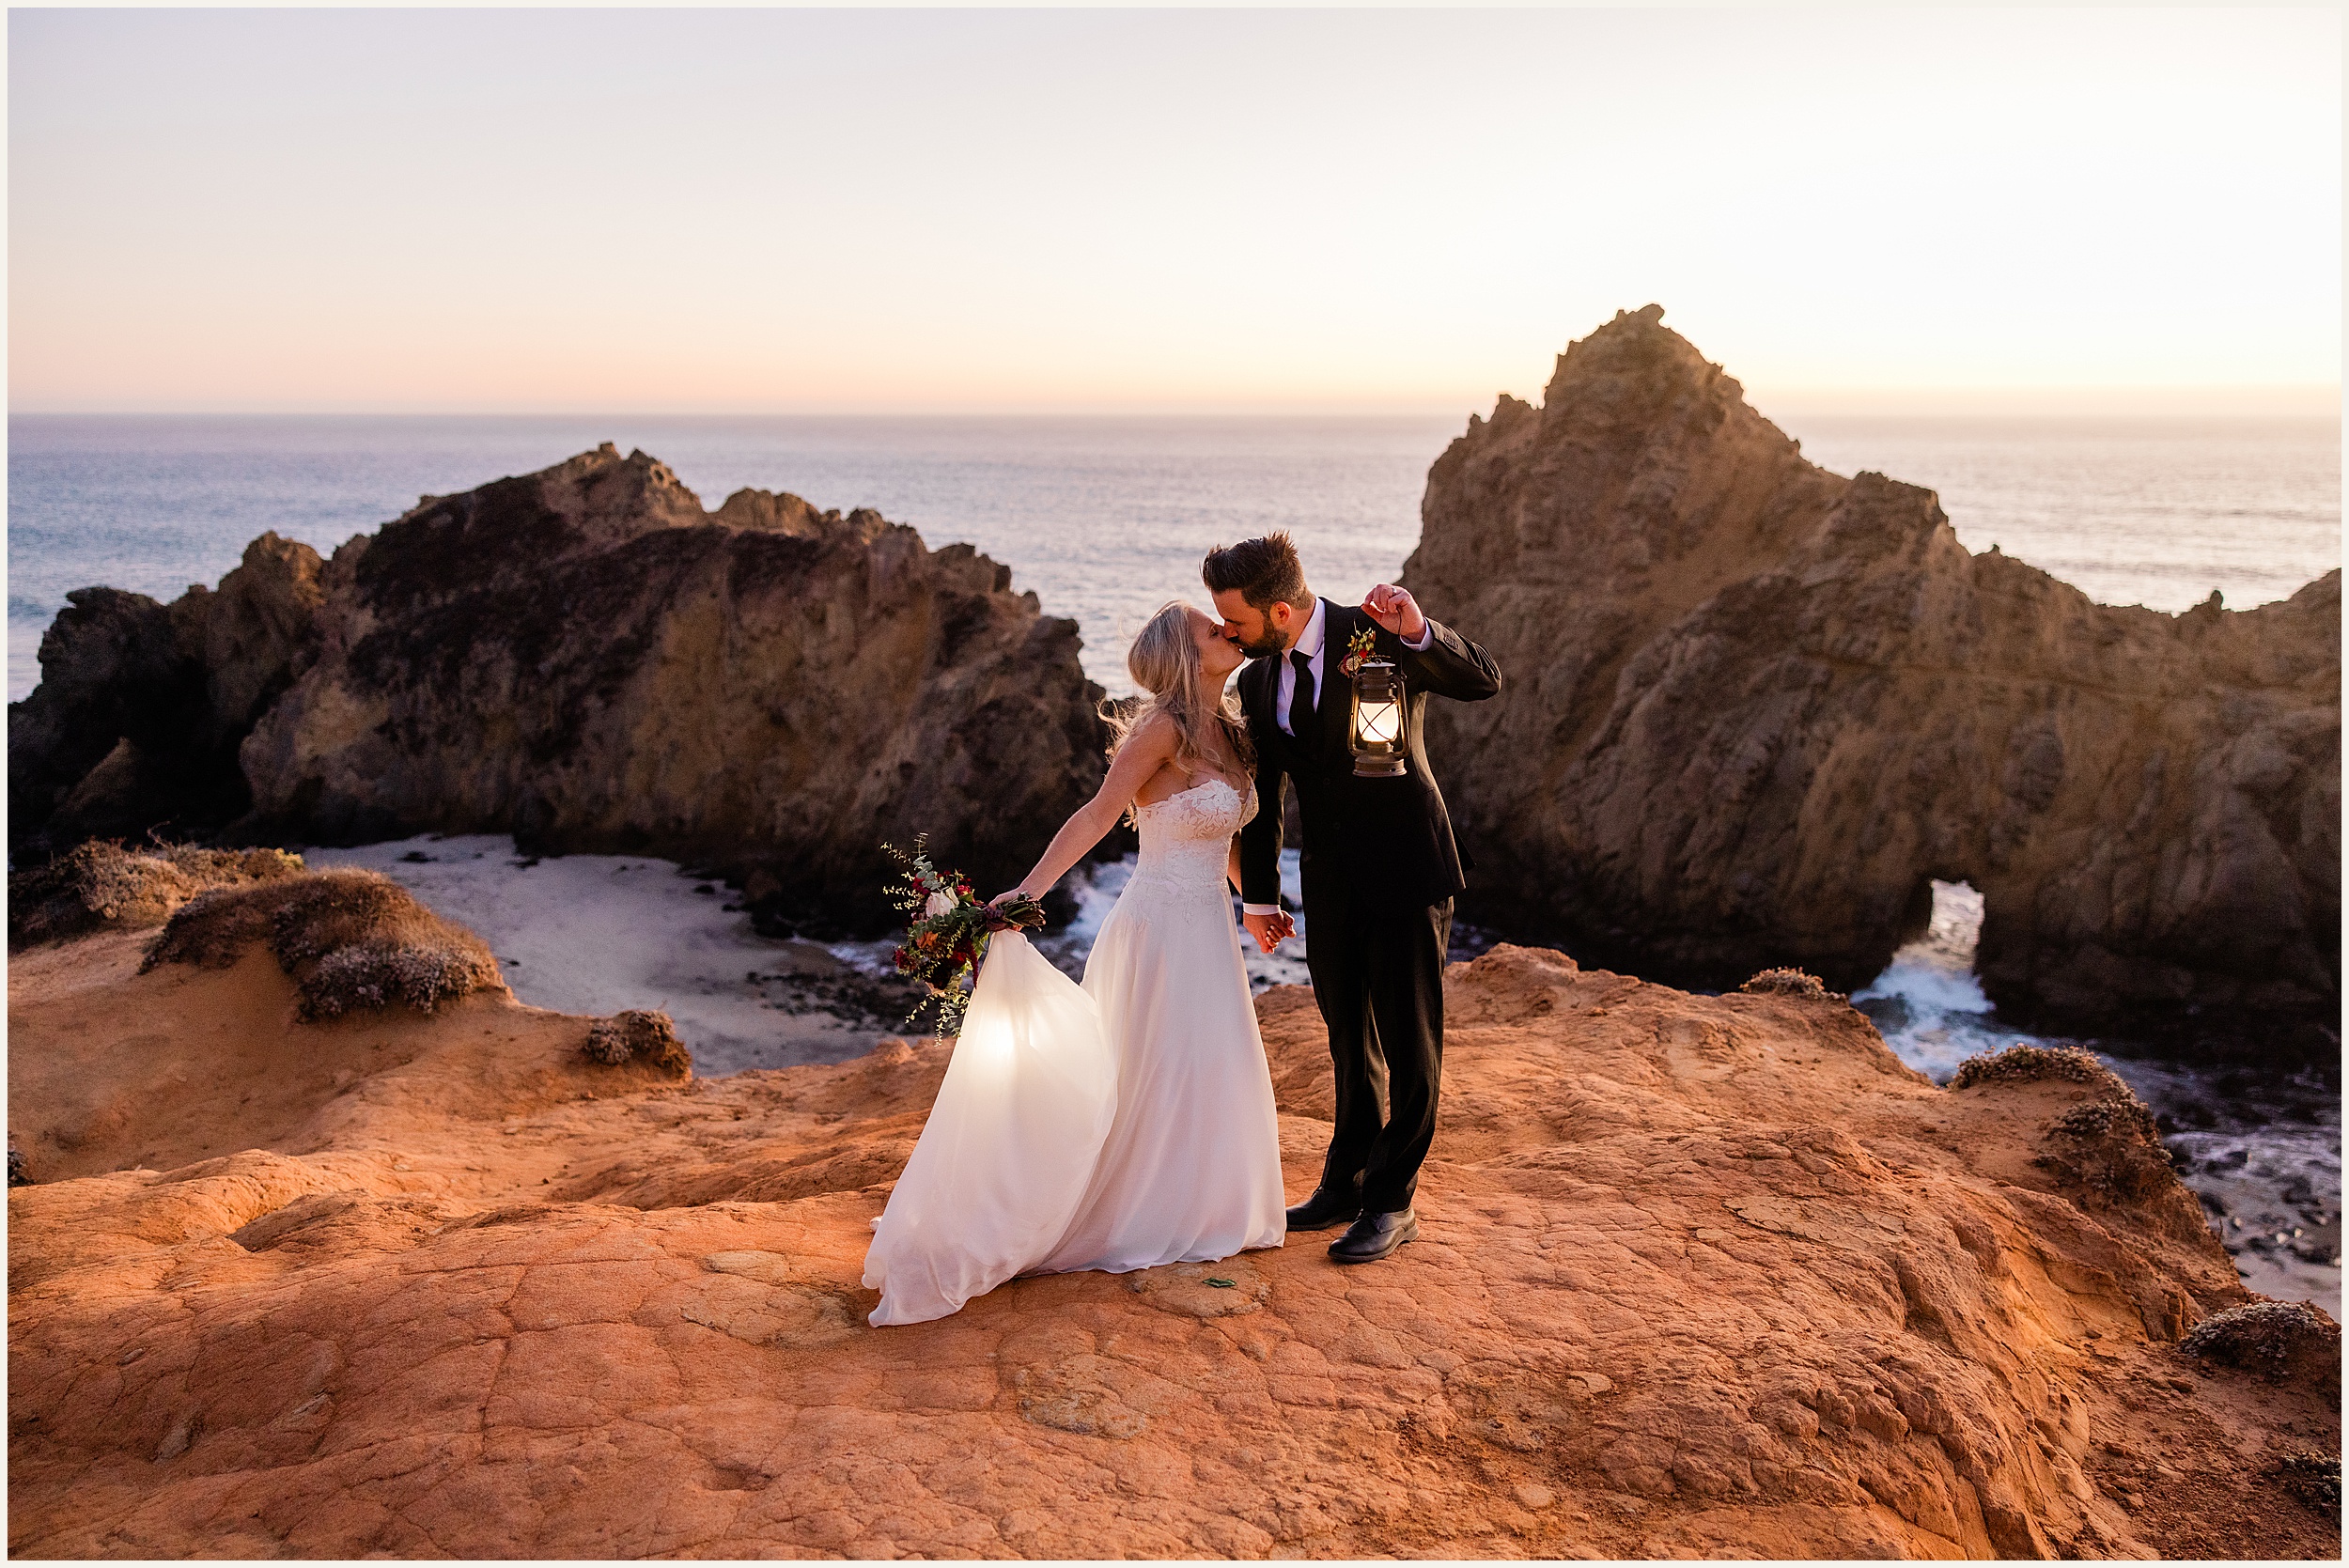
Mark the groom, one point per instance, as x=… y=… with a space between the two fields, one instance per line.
x=1379 y=866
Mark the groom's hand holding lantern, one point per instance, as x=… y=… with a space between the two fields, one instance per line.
x=1378 y=738
x=1396 y=610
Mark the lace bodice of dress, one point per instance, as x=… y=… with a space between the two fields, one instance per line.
x=1186 y=838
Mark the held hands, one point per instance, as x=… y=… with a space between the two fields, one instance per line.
x=1396 y=610
x=1270 y=930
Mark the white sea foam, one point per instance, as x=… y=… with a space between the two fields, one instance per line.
x=1928 y=1002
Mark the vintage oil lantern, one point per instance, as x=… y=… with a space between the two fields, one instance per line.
x=1376 y=736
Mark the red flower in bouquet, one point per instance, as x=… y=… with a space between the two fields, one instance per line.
x=946 y=939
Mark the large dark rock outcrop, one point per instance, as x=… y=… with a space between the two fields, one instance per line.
x=1759 y=707
x=135 y=726
x=588 y=659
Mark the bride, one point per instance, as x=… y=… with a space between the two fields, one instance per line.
x=1130 y=1123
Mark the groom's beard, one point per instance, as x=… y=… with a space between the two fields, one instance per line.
x=1271 y=647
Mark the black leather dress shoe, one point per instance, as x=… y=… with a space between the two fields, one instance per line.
x=1375 y=1236
x=1323 y=1210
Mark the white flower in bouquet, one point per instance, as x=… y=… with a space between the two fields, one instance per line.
x=948 y=938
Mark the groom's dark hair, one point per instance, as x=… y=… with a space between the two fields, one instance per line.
x=1266 y=571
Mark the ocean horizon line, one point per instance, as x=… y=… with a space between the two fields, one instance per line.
x=2215 y=401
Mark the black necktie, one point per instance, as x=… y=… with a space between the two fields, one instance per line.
x=1302 y=701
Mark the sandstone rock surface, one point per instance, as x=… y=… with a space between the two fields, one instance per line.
x=1757 y=708
x=1700 y=1276
x=586 y=658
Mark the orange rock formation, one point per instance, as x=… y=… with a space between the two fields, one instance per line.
x=1700 y=1276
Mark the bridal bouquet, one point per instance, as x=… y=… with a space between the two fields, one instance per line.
x=948 y=935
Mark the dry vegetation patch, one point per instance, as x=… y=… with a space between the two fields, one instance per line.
x=2111 y=1147
x=103 y=883
x=1792 y=983
x=2030 y=1063
x=638 y=1036
x=2313 y=1478
x=2278 y=1339
x=350 y=939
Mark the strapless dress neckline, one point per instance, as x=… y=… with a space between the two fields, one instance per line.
x=1192 y=789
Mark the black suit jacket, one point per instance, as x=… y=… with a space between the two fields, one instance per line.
x=1384 y=843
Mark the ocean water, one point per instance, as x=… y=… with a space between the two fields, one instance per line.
x=1105 y=519
x=2155 y=512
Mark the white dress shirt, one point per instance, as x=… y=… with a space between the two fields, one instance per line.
x=1312 y=644
x=1309 y=643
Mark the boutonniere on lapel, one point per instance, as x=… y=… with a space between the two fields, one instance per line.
x=1361 y=645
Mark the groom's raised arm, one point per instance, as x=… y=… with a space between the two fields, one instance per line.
x=1450 y=665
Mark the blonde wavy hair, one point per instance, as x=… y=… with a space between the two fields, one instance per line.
x=1165 y=662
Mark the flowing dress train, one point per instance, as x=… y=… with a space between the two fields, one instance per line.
x=1118 y=1126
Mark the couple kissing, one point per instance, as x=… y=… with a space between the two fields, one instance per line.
x=1128 y=1121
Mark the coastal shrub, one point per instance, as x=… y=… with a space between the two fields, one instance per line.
x=102 y=884
x=1790 y=982
x=380 y=974
x=2096 y=1119
x=211 y=930
x=2030 y=1063
x=350 y=939
x=2112 y=1148
x=638 y=1036
x=2274 y=1339
x=2312 y=1477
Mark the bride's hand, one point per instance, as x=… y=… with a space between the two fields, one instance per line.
x=1002 y=898
x=1270 y=930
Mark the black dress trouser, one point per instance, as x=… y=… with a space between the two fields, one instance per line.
x=1378 y=976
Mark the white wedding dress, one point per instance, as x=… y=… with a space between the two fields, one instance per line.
x=1118 y=1125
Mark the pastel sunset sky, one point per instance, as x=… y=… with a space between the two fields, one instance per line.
x=1067 y=211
